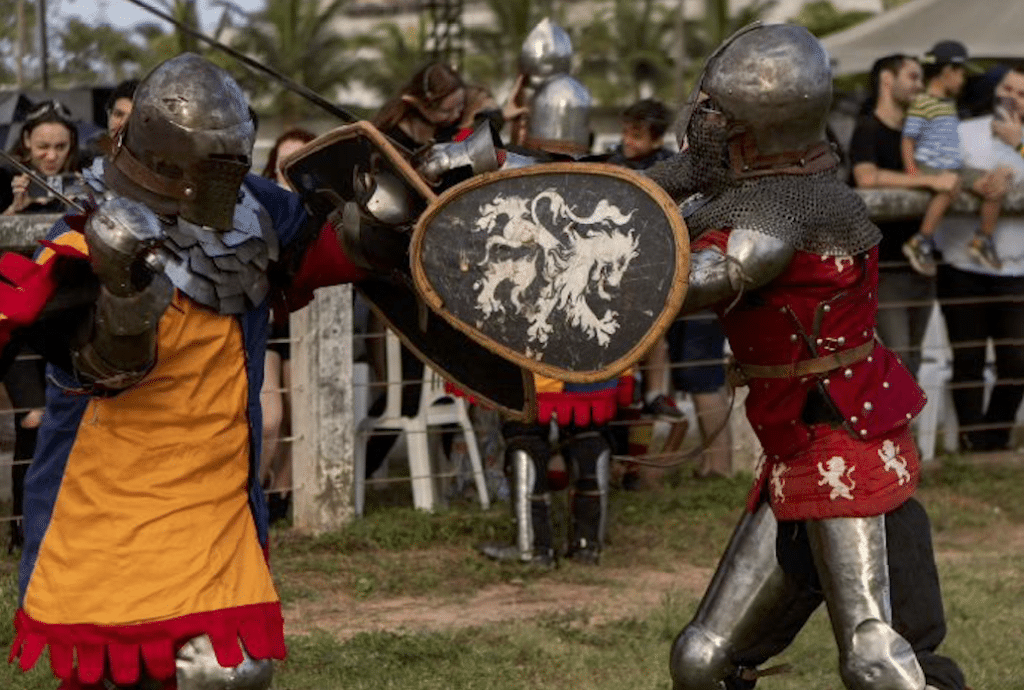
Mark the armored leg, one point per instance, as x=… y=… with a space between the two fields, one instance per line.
x=751 y=611
x=850 y=555
x=589 y=453
x=526 y=463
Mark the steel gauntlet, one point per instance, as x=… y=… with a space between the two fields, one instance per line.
x=119 y=348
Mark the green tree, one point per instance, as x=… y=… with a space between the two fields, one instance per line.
x=296 y=38
x=822 y=18
x=627 y=45
x=492 y=55
x=399 y=52
x=97 y=54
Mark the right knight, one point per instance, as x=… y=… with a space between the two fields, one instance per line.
x=786 y=255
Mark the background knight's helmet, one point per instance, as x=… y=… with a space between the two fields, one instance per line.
x=560 y=117
x=187 y=145
x=775 y=82
x=547 y=51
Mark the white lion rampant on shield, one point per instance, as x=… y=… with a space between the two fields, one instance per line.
x=548 y=278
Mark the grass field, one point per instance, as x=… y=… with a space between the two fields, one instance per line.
x=389 y=602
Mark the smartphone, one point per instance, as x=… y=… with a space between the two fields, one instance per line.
x=40 y=194
x=1005 y=107
x=68 y=184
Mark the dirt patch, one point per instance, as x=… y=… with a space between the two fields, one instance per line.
x=623 y=593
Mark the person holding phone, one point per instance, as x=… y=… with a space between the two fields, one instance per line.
x=982 y=305
x=49 y=146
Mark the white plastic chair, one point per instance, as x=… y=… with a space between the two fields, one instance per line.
x=934 y=376
x=436 y=408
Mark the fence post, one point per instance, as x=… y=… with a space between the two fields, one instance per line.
x=323 y=424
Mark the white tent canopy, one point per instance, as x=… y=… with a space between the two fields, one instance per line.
x=989 y=29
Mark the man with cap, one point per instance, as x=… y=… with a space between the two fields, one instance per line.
x=931 y=145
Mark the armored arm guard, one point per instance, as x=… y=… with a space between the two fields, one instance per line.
x=751 y=260
x=118 y=347
x=475 y=154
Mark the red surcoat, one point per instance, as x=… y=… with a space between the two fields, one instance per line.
x=820 y=306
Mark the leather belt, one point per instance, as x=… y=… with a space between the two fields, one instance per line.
x=741 y=373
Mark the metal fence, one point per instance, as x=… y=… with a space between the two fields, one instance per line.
x=330 y=393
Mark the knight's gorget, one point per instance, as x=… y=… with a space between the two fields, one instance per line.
x=815 y=213
x=226 y=271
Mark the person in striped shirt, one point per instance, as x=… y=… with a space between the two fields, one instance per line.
x=931 y=145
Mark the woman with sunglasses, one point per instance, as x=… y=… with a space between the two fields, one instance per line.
x=48 y=144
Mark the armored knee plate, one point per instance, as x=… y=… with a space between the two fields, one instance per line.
x=878 y=658
x=700 y=660
x=198 y=669
x=850 y=555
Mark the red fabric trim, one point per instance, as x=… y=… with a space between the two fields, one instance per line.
x=26 y=287
x=626 y=390
x=463 y=134
x=839 y=476
x=581 y=409
x=259 y=626
x=323 y=264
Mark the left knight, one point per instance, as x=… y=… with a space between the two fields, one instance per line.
x=146 y=537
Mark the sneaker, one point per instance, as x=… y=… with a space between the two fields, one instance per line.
x=665 y=408
x=983 y=250
x=920 y=252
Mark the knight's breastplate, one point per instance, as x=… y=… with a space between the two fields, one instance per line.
x=225 y=271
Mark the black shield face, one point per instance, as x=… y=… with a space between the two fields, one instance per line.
x=341 y=166
x=474 y=369
x=572 y=270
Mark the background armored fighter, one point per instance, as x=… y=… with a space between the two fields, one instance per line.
x=533 y=229
x=786 y=255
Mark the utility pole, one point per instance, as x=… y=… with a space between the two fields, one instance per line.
x=682 y=60
x=44 y=57
x=19 y=66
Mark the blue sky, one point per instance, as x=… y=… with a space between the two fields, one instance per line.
x=124 y=14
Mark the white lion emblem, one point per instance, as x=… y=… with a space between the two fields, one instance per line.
x=778 y=483
x=893 y=461
x=833 y=476
x=545 y=275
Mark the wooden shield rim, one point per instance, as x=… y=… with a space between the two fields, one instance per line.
x=527 y=414
x=673 y=302
x=366 y=129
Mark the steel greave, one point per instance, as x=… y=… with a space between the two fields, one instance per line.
x=524 y=477
x=736 y=609
x=852 y=562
